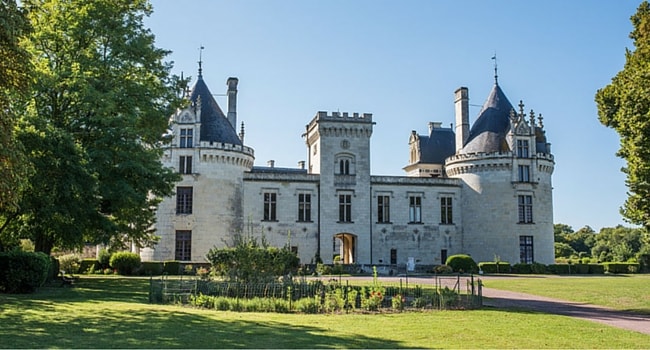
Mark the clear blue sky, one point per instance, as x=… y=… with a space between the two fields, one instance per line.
x=402 y=61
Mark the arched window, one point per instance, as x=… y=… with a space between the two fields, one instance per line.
x=344 y=167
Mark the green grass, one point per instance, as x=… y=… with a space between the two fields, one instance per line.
x=621 y=292
x=105 y=312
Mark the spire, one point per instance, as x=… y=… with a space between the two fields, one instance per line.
x=200 y=62
x=496 y=76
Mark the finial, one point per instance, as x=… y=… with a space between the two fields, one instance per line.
x=521 y=108
x=200 y=61
x=532 y=118
x=541 y=121
x=496 y=76
x=241 y=133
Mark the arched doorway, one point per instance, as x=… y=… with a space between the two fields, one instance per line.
x=346 y=247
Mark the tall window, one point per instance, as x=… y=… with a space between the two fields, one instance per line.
x=183 y=245
x=525 y=209
x=344 y=167
x=522 y=149
x=446 y=213
x=383 y=208
x=524 y=173
x=183 y=200
x=345 y=208
x=526 y=250
x=393 y=256
x=270 y=206
x=415 y=209
x=185 y=165
x=187 y=136
x=304 y=207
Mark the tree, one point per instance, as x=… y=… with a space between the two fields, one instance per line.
x=618 y=243
x=14 y=80
x=624 y=105
x=102 y=88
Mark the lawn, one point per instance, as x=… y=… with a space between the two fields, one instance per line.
x=621 y=292
x=111 y=312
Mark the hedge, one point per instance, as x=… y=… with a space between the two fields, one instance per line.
x=492 y=267
x=126 y=263
x=621 y=267
x=89 y=265
x=172 y=267
x=151 y=268
x=23 y=272
x=462 y=263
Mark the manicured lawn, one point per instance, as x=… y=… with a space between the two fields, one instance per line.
x=114 y=313
x=621 y=292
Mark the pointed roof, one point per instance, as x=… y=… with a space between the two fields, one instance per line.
x=215 y=127
x=488 y=134
x=437 y=146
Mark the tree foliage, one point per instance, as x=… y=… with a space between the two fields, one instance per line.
x=252 y=262
x=624 y=105
x=14 y=80
x=103 y=94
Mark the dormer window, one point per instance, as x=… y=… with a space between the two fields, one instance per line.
x=523 y=149
x=187 y=138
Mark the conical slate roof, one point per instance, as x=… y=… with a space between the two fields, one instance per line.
x=488 y=132
x=215 y=127
x=437 y=146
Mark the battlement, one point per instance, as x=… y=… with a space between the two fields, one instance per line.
x=344 y=116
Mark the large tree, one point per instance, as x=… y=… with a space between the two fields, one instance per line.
x=102 y=97
x=624 y=105
x=14 y=80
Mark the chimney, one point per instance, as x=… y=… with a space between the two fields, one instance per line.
x=461 y=102
x=434 y=125
x=232 y=101
x=301 y=164
x=271 y=163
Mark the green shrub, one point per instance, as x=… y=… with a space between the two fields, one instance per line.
x=104 y=258
x=561 y=269
x=462 y=263
x=69 y=263
x=538 y=268
x=521 y=268
x=125 y=262
x=308 y=305
x=596 y=269
x=443 y=269
x=581 y=269
x=89 y=266
x=621 y=267
x=151 y=268
x=494 y=267
x=23 y=272
x=172 y=267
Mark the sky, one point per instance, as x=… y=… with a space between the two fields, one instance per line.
x=402 y=62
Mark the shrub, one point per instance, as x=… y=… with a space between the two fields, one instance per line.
x=462 y=263
x=23 y=272
x=522 y=268
x=125 y=262
x=538 y=268
x=151 y=268
x=69 y=263
x=621 y=267
x=596 y=269
x=172 y=267
x=89 y=266
x=494 y=267
x=443 y=269
x=308 y=305
x=104 y=258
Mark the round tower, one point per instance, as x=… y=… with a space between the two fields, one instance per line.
x=506 y=165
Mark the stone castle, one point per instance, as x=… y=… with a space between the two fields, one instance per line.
x=484 y=191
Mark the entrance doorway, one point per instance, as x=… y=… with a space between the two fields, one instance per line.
x=346 y=247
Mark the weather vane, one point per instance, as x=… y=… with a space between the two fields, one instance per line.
x=496 y=76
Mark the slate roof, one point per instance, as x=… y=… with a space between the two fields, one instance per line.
x=262 y=169
x=491 y=126
x=438 y=146
x=540 y=141
x=215 y=127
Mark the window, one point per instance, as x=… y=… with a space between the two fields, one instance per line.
x=185 y=165
x=393 y=256
x=270 y=206
x=526 y=250
x=525 y=209
x=443 y=256
x=304 y=207
x=345 y=208
x=183 y=245
x=294 y=249
x=187 y=138
x=522 y=149
x=415 y=209
x=183 y=200
x=383 y=209
x=524 y=173
x=446 y=213
x=344 y=167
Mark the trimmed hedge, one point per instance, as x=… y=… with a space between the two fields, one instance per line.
x=492 y=267
x=172 y=267
x=125 y=263
x=462 y=263
x=596 y=269
x=151 y=268
x=23 y=272
x=621 y=267
x=89 y=265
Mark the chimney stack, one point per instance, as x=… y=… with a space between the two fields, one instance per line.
x=232 y=101
x=461 y=102
x=271 y=163
x=301 y=164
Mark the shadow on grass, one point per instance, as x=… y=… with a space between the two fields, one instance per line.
x=109 y=313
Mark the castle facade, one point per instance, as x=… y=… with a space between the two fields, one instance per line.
x=484 y=191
